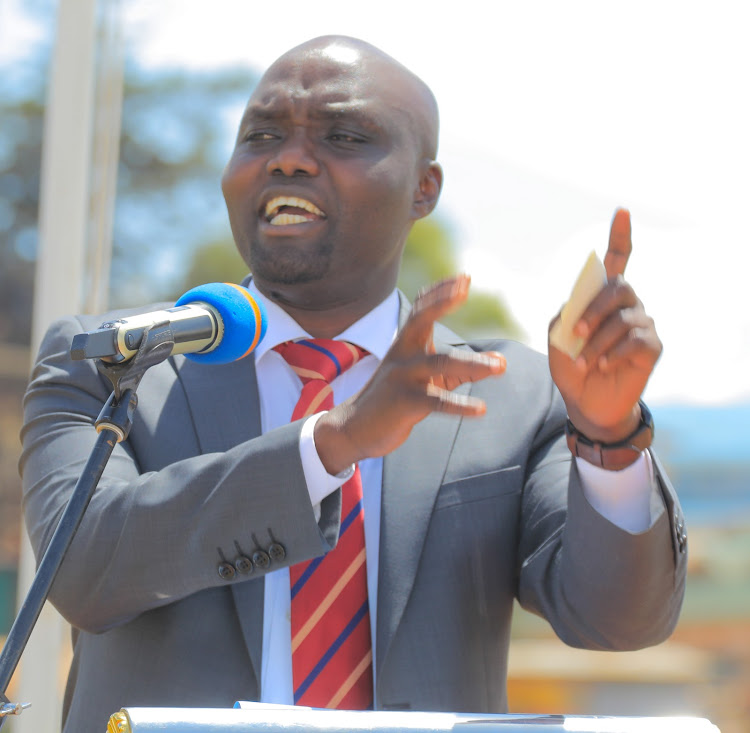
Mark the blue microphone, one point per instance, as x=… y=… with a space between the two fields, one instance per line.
x=214 y=324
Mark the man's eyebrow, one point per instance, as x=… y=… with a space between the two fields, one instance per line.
x=355 y=111
x=333 y=110
x=260 y=112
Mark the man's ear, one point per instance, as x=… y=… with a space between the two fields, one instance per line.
x=428 y=192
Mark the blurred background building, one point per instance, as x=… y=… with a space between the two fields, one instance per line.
x=552 y=116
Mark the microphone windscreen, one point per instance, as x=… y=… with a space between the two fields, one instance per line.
x=244 y=320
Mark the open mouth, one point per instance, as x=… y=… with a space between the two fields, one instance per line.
x=284 y=210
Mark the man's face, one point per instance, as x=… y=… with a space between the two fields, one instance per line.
x=321 y=185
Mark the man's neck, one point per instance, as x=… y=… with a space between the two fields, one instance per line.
x=325 y=319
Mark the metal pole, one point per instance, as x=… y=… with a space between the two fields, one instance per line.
x=105 y=154
x=63 y=223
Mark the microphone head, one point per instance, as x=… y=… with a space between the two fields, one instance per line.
x=245 y=320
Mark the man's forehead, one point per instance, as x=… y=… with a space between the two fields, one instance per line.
x=331 y=77
x=325 y=89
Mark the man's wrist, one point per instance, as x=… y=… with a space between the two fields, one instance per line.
x=320 y=483
x=612 y=456
x=332 y=442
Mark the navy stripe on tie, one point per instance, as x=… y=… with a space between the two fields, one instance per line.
x=343 y=636
x=325 y=351
x=356 y=509
x=311 y=568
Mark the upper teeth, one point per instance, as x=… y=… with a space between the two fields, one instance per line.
x=273 y=206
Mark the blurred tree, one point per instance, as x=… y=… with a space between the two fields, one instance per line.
x=177 y=130
x=214 y=262
x=20 y=156
x=431 y=255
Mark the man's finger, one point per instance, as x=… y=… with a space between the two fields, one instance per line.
x=459 y=366
x=431 y=304
x=448 y=293
x=620 y=244
x=454 y=403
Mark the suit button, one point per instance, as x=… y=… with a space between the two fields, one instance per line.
x=261 y=559
x=276 y=551
x=226 y=570
x=243 y=564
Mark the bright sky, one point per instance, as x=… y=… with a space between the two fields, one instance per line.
x=554 y=113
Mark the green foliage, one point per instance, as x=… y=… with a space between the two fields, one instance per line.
x=20 y=160
x=216 y=261
x=177 y=130
x=429 y=256
x=177 y=133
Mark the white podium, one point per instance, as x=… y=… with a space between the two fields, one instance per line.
x=278 y=719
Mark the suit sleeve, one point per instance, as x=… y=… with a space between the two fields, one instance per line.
x=150 y=537
x=600 y=586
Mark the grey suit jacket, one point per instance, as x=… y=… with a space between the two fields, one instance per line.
x=475 y=513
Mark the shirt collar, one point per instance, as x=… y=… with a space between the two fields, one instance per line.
x=375 y=331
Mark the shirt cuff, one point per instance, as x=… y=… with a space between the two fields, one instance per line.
x=320 y=483
x=623 y=497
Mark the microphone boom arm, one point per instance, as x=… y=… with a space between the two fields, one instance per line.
x=113 y=425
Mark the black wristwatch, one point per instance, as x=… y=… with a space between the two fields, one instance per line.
x=612 y=456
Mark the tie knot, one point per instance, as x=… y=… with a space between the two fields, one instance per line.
x=320 y=359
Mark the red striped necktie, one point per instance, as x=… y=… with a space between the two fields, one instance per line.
x=331 y=645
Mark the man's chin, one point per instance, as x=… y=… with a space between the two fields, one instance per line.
x=288 y=268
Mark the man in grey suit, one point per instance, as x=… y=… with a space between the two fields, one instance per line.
x=471 y=492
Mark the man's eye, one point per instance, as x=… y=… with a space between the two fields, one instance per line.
x=344 y=137
x=259 y=136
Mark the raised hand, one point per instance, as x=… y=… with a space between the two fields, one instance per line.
x=601 y=388
x=411 y=382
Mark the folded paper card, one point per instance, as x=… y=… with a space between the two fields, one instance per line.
x=592 y=279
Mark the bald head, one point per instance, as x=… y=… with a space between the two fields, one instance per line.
x=334 y=162
x=366 y=64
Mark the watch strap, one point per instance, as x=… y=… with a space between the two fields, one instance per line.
x=612 y=456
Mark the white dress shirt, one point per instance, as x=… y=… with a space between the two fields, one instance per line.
x=623 y=497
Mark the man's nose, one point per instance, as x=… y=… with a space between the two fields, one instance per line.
x=295 y=156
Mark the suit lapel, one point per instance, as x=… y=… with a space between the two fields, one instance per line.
x=410 y=486
x=230 y=393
